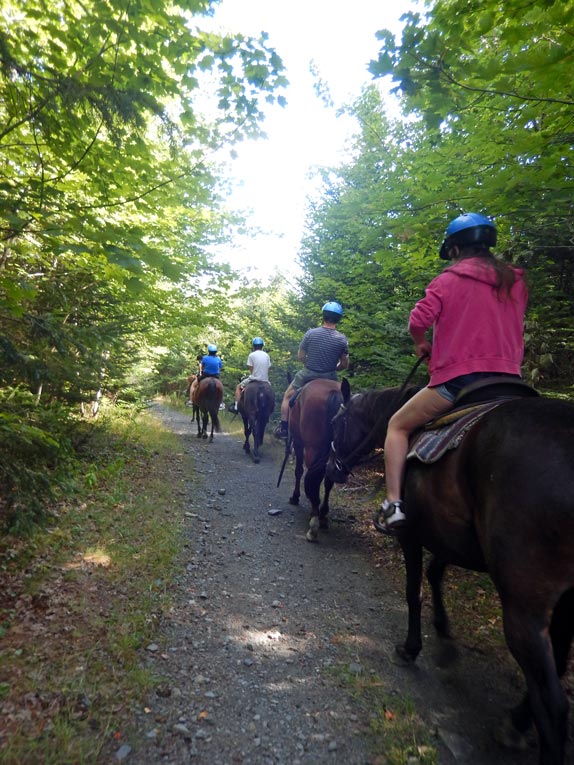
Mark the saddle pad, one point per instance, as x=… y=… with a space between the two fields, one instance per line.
x=443 y=434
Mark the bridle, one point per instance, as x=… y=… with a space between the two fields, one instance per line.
x=342 y=464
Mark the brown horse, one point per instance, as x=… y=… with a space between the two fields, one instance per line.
x=501 y=502
x=209 y=396
x=310 y=433
x=255 y=406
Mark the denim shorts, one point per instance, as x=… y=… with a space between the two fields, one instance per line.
x=450 y=389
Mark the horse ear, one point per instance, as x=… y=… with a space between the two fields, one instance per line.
x=345 y=390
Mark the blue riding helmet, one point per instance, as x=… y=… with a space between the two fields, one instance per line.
x=211 y=348
x=257 y=341
x=469 y=228
x=333 y=307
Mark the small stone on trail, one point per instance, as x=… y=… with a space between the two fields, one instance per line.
x=274 y=511
x=123 y=752
x=152 y=647
x=183 y=730
x=221 y=491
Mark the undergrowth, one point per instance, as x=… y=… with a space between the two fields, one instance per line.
x=81 y=596
x=398 y=735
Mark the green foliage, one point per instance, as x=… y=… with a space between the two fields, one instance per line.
x=36 y=448
x=108 y=191
x=487 y=102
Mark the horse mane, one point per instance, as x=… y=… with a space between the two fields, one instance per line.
x=334 y=401
x=392 y=399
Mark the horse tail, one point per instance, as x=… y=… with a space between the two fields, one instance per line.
x=261 y=401
x=333 y=403
x=214 y=398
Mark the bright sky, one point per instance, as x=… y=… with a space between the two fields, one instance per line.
x=272 y=177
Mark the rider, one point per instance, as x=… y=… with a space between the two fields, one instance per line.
x=209 y=366
x=323 y=350
x=476 y=309
x=258 y=362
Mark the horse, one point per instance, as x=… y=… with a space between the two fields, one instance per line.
x=501 y=502
x=310 y=434
x=256 y=404
x=209 y=396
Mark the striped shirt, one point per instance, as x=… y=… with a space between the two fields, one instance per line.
x=323 y=347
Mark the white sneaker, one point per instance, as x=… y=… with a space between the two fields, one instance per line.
x=393 y=517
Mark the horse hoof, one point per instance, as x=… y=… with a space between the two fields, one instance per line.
x=447 y=654
x=323 y=523
x=199 y=435
x=313 y=531
x=256 y=460
x=406 y=658
x=293 y=500
x=506 y=735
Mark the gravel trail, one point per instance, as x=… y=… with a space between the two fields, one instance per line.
x=269 y=634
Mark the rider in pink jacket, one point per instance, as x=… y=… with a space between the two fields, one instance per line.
x=474 y=329
x=476 y=311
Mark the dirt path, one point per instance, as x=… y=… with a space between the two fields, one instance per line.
x=270 y=635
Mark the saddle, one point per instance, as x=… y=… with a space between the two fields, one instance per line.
x=472 y=403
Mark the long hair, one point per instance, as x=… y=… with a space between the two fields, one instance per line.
x=505 y=272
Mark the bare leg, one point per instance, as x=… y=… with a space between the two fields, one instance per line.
x=285 y=403
x=422 y=407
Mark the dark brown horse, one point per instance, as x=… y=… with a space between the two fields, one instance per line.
x=255 y=406
x=310 y=433
x=501 y=502
x=209 y=396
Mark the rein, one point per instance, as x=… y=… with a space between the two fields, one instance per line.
x=342 y=465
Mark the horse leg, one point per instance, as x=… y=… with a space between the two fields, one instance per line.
x=435 y=575
x=294 y=498
x=324 y=508
x=413 y=554
x=198 y=418
x=513 y=733
x=255 y=431
x=313 y=478
x=246 y=433
x=529 y=641
x=204 y=424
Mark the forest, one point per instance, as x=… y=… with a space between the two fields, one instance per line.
x=111 y=196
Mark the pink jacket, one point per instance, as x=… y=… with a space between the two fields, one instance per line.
x=474 y=329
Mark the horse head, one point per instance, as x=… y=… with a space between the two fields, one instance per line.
x=349 y=433
x=360 y=427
